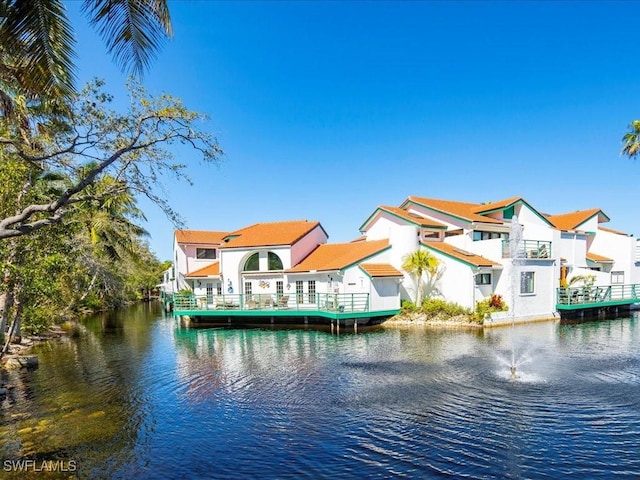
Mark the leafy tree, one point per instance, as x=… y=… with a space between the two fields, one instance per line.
x=417 y=264
x=631 y=140
x=132 y=147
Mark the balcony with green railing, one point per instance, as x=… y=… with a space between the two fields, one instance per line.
x=270 y=304
x=573 y=298
x=532 y=249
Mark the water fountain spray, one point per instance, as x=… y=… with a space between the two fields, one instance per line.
x=515 y=236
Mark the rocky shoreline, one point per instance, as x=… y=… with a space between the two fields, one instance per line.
x=438 y=321
x=18 y=354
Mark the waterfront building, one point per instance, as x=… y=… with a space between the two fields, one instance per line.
x=505 y=247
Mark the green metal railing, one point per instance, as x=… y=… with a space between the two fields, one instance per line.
x=536 y=249
x=327 y=302
x=594 y=295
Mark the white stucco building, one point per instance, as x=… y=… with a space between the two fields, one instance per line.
x=505 y=248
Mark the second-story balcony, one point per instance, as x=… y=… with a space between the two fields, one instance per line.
x=534 y=249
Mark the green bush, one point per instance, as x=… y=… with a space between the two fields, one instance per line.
x=486 y=307
x=407 y=306
x=437 y=306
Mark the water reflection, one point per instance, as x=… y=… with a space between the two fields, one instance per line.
x=136 y=395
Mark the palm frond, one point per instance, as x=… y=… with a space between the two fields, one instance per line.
x=631 y=140
x=40 y=32
x=133 y=30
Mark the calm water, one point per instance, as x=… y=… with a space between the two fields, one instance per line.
x=137 y=396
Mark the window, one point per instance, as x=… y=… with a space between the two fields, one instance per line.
x=279 y=288
x=617 y=277
x=206 y=253
x=483 y=279
x=253 y=263
x=480 y=235
x=312 y=291
x=218 y=288
x=247 y=288
x=274 y=261
x=299 y=291
x=527 y=283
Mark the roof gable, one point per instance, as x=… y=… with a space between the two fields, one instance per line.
x=270 y=234
x=595 y=258
x=490 y=207
x=459 y=210
x=502 y=205
x=212 y=270
x=337 y=256
x=199 y=237
x=572 y=220
x=469 y=258
x=380 y=270
x=404 y=216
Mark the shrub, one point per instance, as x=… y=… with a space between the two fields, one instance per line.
x=497 y=302
x=437 y=306
x=486 y=307
x=407 y=306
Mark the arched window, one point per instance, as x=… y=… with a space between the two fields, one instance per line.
x=274 y=261
x=252 y=264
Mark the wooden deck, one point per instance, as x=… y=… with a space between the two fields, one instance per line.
x=279 y=307
x=575 y=298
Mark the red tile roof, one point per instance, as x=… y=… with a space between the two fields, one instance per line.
x=380 y=270
x=458 y=253
x=212 y=270
x=413 y=217
x=270 y=234
x=594 y=257
x=462 y=210
x=200 y=237
x=491 y=206
x=336 y=256
x=572 y=220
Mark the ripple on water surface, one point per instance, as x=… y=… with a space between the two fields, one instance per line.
x=229 y=403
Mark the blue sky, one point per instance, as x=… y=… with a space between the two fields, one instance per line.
x=326 y=110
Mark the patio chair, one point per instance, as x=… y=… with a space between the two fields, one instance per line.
x=252 y=305
x=266 y=302
x=219 y=302
x=283 y=302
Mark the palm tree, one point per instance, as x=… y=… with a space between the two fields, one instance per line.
x=37 y=46
x=417 y=263
x=108 y=237
x=631 y=140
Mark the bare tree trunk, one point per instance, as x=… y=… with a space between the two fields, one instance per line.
x=3 y=316
x=7 y=296
x=6 y=304
x=16 y=331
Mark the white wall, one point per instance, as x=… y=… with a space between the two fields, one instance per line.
x=573 y=248
x=543 y=300
x=621 y=249
x=306 y=245
x=456 y=285
x=384 y=294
